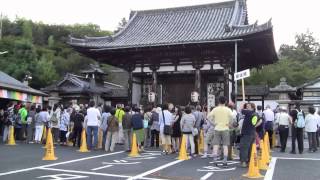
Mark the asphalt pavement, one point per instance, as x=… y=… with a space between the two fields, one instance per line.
x=24 y=161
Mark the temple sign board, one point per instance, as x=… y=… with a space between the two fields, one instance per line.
x=241 y=75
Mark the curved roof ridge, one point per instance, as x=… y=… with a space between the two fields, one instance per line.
x=190 y=7
x=132 y=17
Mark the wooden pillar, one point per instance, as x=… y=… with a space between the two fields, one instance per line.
x=226 y=82
x=197 y=83
x=130 y=82
x=154 y=86
x=130 y=68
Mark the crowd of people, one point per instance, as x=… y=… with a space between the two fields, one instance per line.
x=223 y=128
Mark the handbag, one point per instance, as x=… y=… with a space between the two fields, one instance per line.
x=167 y=129
x=195 y=132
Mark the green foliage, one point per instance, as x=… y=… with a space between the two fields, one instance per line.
x=299 y=63
x=41 y=49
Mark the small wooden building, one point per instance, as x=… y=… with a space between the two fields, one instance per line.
x=174 y=53
x=81 y=89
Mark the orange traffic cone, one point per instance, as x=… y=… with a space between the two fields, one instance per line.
x=253 y=171
x=201 y=143
x=44 y=136
x=49 y=155
x=100 y=137
x=11 y=140
x=267 y=147
x=134 y=148
x=83 y=147
x=183 y=152
x=263 y=163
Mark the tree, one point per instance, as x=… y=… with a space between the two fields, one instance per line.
x=121 y=25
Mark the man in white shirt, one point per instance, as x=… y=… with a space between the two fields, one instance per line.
x=268 y=115
x=165 y=118
x=93 y=118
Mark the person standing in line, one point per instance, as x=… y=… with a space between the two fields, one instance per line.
x=311 y=129
x=137 y=126
x=77 y=127
x=155 y=128
x=8 y=121
x=119 y=115
x=199 y=120
x=176 y=135
x=260 y=126
x=187 y=124
x=317 y=114
x=165 y=118
x=104 y=123
x=221 y=117
x=296 y=132
x=283 y=121
x=93 y=117
x=64 y=123
x=55 y=116
x=23 y=118
x=268 y=114
x=126 y=125
x=248 y=132
x=112 y=131
x=42 y=121
x=146 y=127
x=31 y=124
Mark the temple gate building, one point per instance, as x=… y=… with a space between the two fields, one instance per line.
x=184 y=54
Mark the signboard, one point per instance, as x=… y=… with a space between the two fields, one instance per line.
x=242 y=74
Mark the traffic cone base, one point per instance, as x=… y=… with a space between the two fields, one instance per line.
x=253 y=171
x=183 y=152
x=134 y=148
x=263 y=165
x=49 y=155
x=83 y=147
x=11 y=140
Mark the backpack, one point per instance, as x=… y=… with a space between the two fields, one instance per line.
x=54 y=119
x=300 y=123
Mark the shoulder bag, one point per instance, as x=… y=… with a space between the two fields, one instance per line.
x=167 y=129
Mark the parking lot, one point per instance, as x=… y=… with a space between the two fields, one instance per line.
x=24 y=162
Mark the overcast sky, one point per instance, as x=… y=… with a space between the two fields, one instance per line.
x=289 y=17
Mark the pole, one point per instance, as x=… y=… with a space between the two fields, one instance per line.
x=243 y=95
x=235 y=71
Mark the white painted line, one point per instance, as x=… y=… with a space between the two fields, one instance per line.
x=96 y=174
x=216 y=169
x=102 y=167
x=270 y=171
x=116 y=161
x=84 y=172
x=290 y=158
x=138 y=158
x=60 y=163
x=139 y=176
x=121 y=163
x=206 y=176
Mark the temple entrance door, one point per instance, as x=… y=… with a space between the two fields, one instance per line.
x=177 y=92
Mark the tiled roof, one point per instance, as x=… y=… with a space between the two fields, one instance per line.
x=9 y=82
x=182 y=25
x=83 y=85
